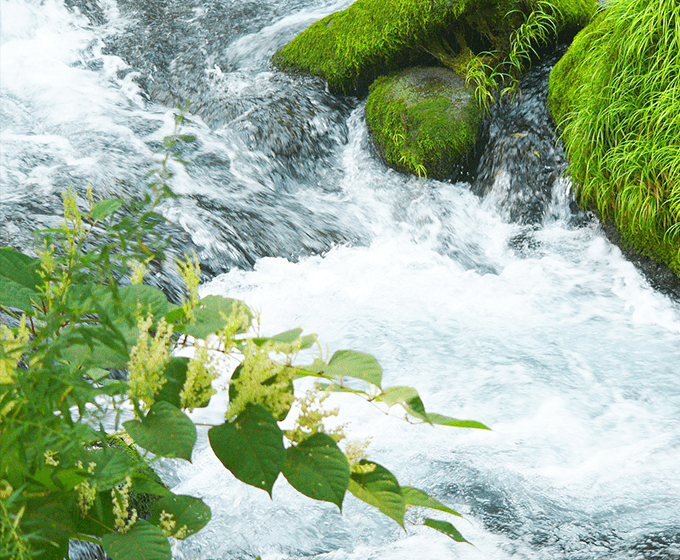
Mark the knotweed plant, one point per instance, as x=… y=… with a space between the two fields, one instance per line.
x=72 y=319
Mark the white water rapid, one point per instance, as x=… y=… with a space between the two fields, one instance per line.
x=497 y=300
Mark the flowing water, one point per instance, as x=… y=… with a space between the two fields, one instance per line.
x=497 y=299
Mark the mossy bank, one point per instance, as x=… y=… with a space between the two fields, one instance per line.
x=349 y=49
x=423 y=120
x=615 y=97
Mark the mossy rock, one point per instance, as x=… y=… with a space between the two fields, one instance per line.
x=575 y=14
x=423 y=120
x=349 y=49
x=614 y=98
x=566 y=78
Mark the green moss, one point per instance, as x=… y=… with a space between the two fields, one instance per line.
x=574 y=13
x=564 y=88
x=349 y=49
x=615 y=96
x=423 y=121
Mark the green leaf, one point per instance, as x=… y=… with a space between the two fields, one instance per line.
x=446 y=528
x=212 y=314
x=186 y=137
x=350 y=363
x=13 y=294
x=447 y=421
x=175 y=375
x=143 y=541
x=318 y=469
x=251 y=447
x=379 y=488
x=97 y=373
x=415 y=497
x=53 y=517
x=175 y=315
x=20 y=268
x=106 y=208
x=19 y=280
x=149 y=298
x=113 y=465
x=186 y=510
x=288 y=336
x=96 y=346
x=143 y=483
x=407 y=397
x=165 y=431
x=308 y=341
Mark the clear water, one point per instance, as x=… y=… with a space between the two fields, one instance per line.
x=496 y=299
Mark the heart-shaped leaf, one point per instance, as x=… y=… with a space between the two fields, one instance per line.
x=407 y=397
x=318 y=469
x=251 y=447
x=186 y=511
x=212 y=315
x=379 y=487
x=349 y=363
x=165 y=431
x=143 y=541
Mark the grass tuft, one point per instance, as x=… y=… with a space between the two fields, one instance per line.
x=615 y=96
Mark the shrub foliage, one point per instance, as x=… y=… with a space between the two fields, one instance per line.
x=77 y=445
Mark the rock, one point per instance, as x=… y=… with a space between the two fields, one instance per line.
x=566 y=80
x=423 y=120
x=614 y=98
x=349 y=49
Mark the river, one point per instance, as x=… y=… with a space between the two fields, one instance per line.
x=497 y=298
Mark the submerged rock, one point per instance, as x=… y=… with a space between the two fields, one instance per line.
x=423 y=120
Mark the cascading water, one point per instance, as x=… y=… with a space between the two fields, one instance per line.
x=497 y=299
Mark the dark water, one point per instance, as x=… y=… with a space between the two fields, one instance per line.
x=496 y=298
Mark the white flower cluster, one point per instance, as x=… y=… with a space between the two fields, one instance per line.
x=168 y=524
x=311 y=418
x=262 y=380
x=197 y=388
x=13 y=346
x=124 y=519
x=147 y=361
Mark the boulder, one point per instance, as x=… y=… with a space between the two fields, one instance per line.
x=614 y=98
x=350 y=48
x=424 y=120
x=567 y=77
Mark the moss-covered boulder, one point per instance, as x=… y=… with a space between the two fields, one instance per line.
x=349 y=49
x=615 y=96
x=575 y=67
x=423 y=120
